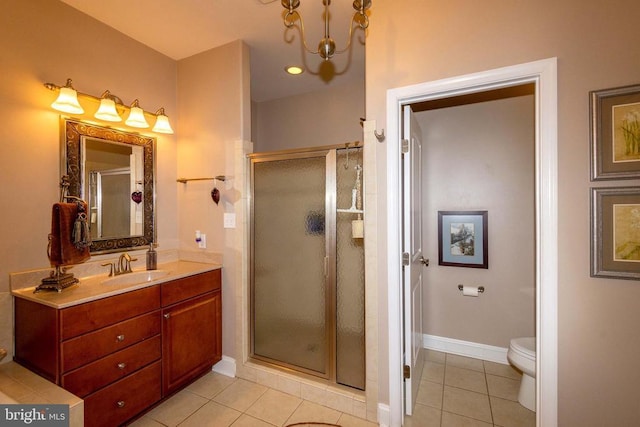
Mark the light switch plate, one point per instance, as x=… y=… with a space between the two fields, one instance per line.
x=229 y=220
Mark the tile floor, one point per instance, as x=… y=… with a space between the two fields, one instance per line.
x=219 y=401
x=455 y=391
x=460 y=391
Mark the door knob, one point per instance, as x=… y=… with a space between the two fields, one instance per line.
x=424 y=261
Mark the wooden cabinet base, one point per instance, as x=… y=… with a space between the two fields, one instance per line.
x=123 y=354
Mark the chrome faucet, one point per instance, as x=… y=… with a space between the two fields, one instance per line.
x=123 y=265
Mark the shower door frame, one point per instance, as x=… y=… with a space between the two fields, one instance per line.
x=330 y=279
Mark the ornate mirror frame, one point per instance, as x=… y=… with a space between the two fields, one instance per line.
x=73 y=132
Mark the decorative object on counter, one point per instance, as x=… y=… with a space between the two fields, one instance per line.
x=615 y=133
x=67 y=102
x=463 y=239
x=152 y=258
x=69 y=240
x=615 y=232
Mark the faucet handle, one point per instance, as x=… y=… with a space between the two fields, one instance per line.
x=111 y=267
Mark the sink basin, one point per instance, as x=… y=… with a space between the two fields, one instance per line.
x=136 y=277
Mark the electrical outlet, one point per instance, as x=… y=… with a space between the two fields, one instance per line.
x=202 y=244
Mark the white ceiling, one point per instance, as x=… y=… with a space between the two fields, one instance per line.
x=182 y=28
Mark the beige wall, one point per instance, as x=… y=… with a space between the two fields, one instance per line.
x=327 y=117
x=35 y=50
x=214 y=103
x=423 y=40
x=481 y=157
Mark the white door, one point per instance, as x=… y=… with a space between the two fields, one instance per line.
x=413 y=261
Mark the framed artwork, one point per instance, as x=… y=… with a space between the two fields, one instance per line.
x=462 y=239
x=615 y=240
x=615 y=133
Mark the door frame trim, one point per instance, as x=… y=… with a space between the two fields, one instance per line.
x=544 y=74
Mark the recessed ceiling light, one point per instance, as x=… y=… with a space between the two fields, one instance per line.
x=294 y=70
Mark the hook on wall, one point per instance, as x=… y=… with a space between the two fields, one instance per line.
x=379 y=136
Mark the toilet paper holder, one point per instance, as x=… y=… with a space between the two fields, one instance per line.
x=480 y=288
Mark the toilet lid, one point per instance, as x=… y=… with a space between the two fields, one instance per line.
x=525 y=345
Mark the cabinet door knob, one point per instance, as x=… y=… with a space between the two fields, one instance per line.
x=168 y=315
x=122 y=365
x=120 y=404
x=120 y=338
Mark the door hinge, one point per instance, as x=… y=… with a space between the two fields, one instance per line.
x=406 y=372
x=405 y=146
x=405 y=258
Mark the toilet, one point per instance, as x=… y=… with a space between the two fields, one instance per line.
x=522 y=355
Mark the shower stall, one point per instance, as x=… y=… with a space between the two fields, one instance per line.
x=307 y=262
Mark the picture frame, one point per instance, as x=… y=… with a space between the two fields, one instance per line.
x=615 y=225
x=463 y=239
x=615 y=133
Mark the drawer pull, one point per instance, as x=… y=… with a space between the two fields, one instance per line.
x=122 y=365
x=120 y=404
x=120 y=338
x=168 y=315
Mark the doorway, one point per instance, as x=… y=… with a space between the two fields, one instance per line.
x=544 y=76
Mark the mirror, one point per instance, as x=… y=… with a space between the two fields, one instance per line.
x=113 y=171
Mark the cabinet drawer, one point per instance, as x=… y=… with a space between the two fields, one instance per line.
x=188 y=287
x=93 y=315
x=95 y=345
x=122 y=400
x=102 y=372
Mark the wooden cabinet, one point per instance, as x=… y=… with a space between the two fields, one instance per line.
x=191 y=329
x=122 y=354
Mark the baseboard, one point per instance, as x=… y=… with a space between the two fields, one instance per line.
x=466 y=348
x=227 y=366
x=384 y=415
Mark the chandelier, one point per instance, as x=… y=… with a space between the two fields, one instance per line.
x=327 y=46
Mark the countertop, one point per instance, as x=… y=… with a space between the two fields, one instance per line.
x=91 y=288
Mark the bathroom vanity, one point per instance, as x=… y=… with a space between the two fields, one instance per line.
x=125 y=347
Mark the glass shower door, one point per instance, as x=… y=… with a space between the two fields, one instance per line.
x=292 y=315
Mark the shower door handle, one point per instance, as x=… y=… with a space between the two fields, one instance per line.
x=326 y=266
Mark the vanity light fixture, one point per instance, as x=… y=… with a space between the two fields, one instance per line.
x=67 y=102
x=107 y=110
x=327 y=46
x=136 y=116
x=162 y=122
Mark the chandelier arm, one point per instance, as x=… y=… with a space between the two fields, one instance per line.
x=353 y=21
x=290 y=23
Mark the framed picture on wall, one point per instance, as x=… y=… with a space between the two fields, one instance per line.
x=615 y=133
x=615 y=240
x=462 y=239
